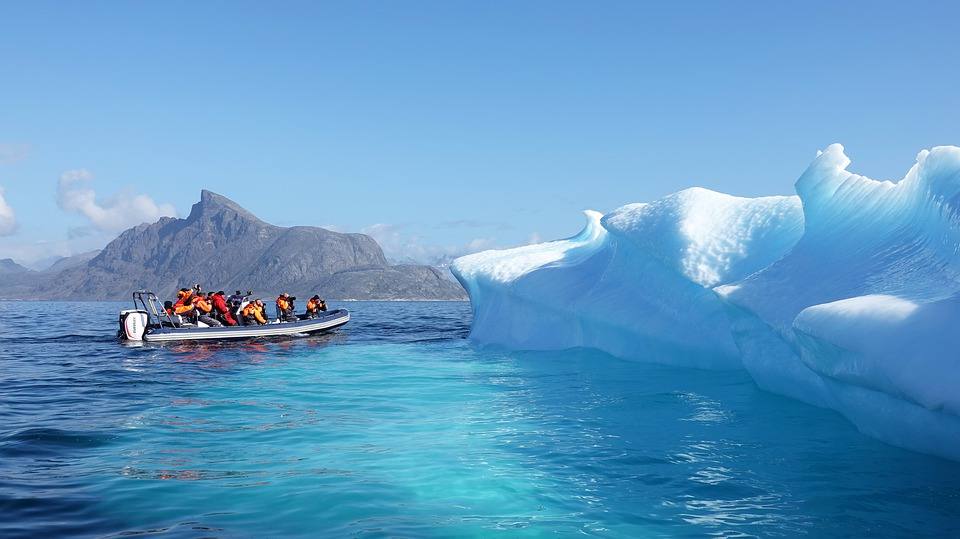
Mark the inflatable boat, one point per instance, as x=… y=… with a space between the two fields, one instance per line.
x=148 y=321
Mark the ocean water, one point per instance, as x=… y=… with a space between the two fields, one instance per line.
x=397 y=426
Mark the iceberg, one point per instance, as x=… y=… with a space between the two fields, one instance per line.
x=845 y=296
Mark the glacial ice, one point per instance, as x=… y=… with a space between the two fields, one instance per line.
x=846 y=296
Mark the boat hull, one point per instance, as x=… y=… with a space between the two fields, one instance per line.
x=326 y=322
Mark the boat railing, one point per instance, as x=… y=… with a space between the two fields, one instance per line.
x=153 y=307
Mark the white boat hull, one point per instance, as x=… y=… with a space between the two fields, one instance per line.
x=328 y=322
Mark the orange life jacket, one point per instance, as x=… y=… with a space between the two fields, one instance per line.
x=253 y=310
x=185 y=304
x=314 y=305
x=201 y=303
x=180 y=295
x=283 y=304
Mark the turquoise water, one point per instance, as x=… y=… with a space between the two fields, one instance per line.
x=397 y=426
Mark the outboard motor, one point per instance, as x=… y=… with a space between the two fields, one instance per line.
x=133 y=324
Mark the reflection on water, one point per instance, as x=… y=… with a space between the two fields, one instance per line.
x=397 y=426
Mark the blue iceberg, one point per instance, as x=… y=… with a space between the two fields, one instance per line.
x=846 y=296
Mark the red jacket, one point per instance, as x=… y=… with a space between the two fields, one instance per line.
x=220 y=304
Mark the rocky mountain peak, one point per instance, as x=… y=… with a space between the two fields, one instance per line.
x=7 y=265
x=224 y=246
x=212 y=204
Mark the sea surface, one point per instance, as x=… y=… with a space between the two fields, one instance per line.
x=396 y=425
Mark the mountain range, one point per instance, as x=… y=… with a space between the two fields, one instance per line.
x=220 y=245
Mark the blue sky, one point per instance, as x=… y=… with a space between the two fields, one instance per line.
x=447 y=126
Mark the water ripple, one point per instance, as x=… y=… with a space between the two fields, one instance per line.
x=396 y=426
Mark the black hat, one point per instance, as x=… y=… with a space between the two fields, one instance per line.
x=315 y=296
x=238 y=292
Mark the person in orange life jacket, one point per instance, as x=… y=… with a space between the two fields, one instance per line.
x=204 y=311
x=170 y=308
x=314 y=306
x=253 y=313
x=184 y=304
x=195 y=306
x=223 y=310
x=185 y=295
x=181 y=296
x=285 y=308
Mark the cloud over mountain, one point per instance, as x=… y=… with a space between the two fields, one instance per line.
x=114 y=214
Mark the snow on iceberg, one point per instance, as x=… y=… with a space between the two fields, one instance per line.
x=846 y=296
x=634 y=283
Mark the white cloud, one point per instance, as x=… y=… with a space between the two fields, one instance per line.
x=8 y=219
x=114 y=214
x=400 y=247
x=11 y=153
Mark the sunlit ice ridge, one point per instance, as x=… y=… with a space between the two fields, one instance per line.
x=845 y=296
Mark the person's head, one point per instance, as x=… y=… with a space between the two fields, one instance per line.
x=238 y=292
x=315 y=297
x=285 y=295
x=258 y=302
x=220 y=293
x=168 y=304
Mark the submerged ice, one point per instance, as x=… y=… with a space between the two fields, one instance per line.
x=845 y=296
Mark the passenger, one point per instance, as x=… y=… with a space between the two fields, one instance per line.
x=235 y=300
x=181 y=297
x=204 y=309
x=184 y=305
x=223 y=310
x=285 y=308
x=172 y=317
x=314 y=306
x=253 y=313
